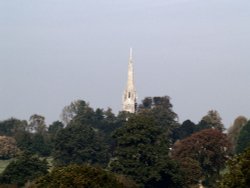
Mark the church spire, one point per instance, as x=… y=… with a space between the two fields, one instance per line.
x=129 y=96
x=131 y=54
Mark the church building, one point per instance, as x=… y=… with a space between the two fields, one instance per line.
x=129 y=97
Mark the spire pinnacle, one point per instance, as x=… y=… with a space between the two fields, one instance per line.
x=129 y=96
x=130 y=53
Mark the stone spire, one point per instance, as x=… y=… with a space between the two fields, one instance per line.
x=129 y=96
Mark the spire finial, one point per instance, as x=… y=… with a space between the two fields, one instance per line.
x=131 y=53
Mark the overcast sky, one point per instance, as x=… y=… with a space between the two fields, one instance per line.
x=53 y=52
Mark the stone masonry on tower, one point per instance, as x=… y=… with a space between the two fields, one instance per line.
x=129 y=96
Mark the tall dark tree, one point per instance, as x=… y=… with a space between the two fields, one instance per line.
x=243 y=141
x=142 y=153
x=160 y=109
x=184 y=130
x=41 y=144
x=55 y=127
x=12 y=126
x=79 y=143
x=24 y=140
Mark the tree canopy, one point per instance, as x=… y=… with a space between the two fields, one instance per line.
x=78 y=144
x=209 y=147
x=243 y=141
x=25 y=168
x=234 y=130
x=142 y=153
x=8 y=147
x=79 y=176
x=12 y=126
x=161 y=110
x=211 y=120
x=238 y=173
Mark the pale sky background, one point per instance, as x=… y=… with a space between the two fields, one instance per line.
x=53 y=52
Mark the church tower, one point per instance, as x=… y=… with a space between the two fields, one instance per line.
x=129 y=96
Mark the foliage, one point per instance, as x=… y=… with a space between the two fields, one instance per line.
x=243 y=141
x=8 y=147
x=37 y=124
x=53 y=130
x=209 y=147
x=79 y=176
x=234 y=130
x=23 y=140
x=212 y=120
x=40 y=144
x=160 y=109
x=55 y=127
x=34 y=137
x=4 y=164
x=79 y=143
x=25 y=168
x=191 y=169
x=238 y=174
x=70 y=111
x=11 y=126
x=184 y=130
x=35 y=143
x=78 y=111
x=103 y=122
x=142 y=153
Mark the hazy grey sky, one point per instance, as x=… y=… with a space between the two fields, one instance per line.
x=53 y=52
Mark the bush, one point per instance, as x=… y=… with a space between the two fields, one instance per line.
x=79 y=176
x=8 y=147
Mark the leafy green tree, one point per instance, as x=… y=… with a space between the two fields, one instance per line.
x=78 y=111
x=243 y=141
x=210 y=148
x=192 y=172
x=8 y=147
x=234 y=130
x=104 y=120
x=41 y=145
x=184 y=130
x=238 y=173
x=160 y=109
x=79 y=143
x=37 y=124
x=211 y=120
x=70 y=111
x=79 y=176
x=24 y=140
x=53 y=130
x=55 y=127
x=142 y=153
x=25 y=168
x=11 y=126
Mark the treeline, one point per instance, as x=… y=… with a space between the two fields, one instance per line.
x=96 y=148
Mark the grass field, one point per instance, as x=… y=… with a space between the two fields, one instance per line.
x=3 y=164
